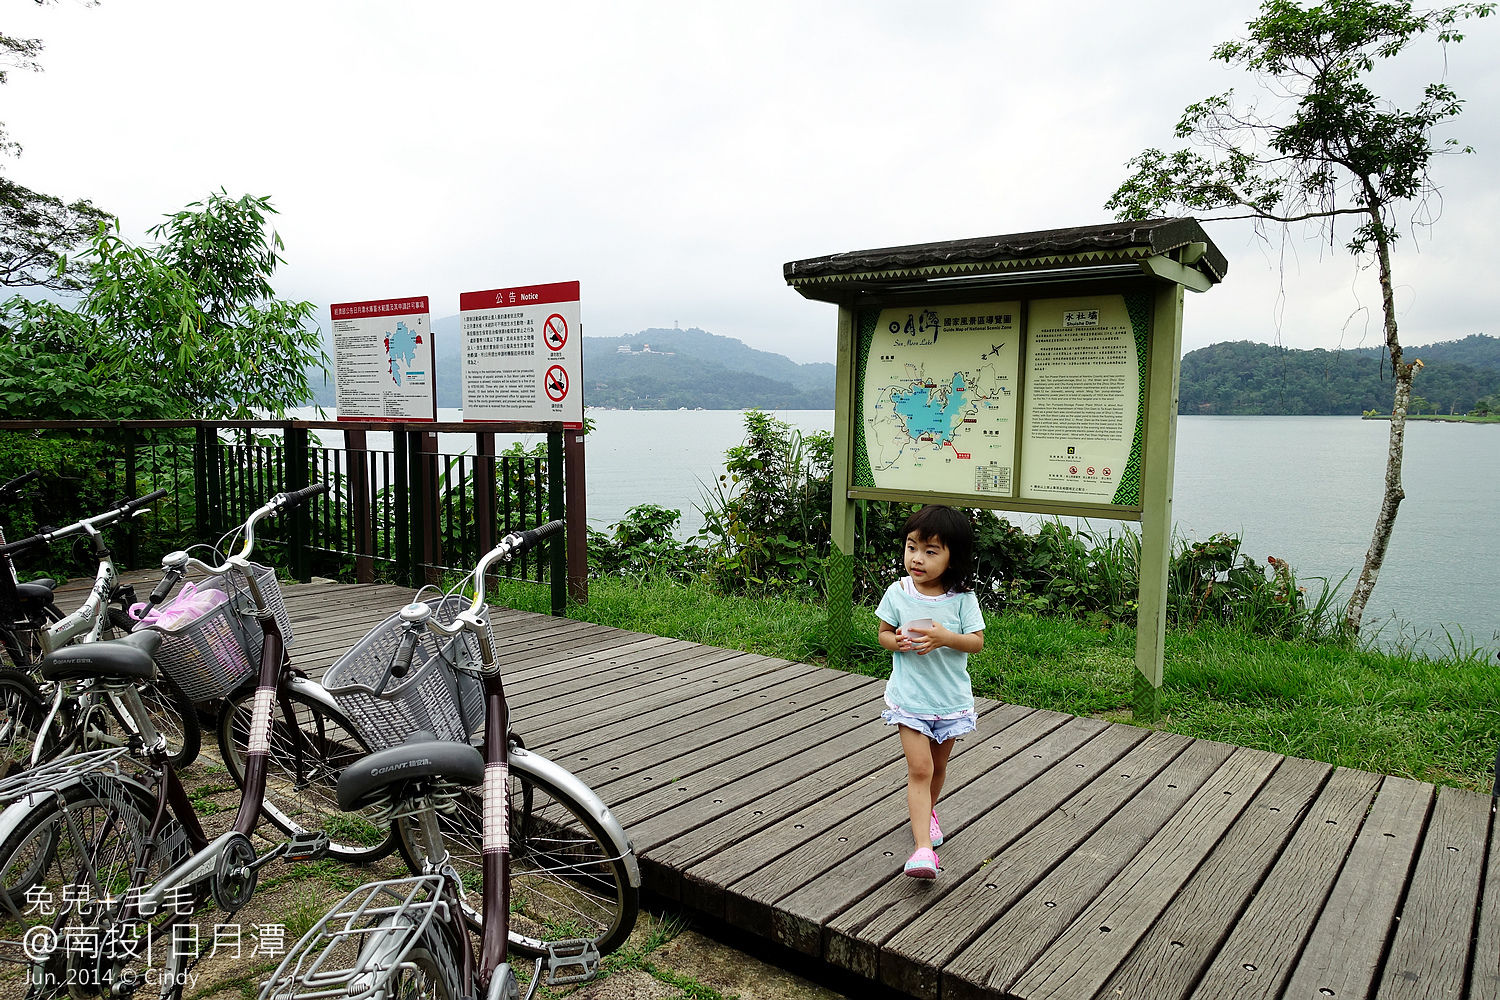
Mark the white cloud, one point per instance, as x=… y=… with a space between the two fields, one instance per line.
x=673 y=155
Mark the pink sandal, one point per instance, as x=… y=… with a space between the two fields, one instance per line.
x=922 y=864
x=935 y=832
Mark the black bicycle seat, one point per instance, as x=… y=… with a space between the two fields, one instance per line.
x=423 y=755
x=35 y=594
x=130 y=658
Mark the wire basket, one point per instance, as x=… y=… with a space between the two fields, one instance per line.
x=213 y=654
x=433 y=695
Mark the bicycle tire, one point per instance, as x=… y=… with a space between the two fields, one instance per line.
x=567 y=880
x=89 y=844
x=330 y=744
x=23 y=711
x=429 y=971
x=173 y=715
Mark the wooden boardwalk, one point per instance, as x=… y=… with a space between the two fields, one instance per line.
x=1086 y=859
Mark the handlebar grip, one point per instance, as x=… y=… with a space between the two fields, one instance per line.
x=298 y=497
x=162 y=589
x=132 y=506
x=402 y=664
x=22 y=544
x=19 y=481
x=531 y=536
x=308 y=492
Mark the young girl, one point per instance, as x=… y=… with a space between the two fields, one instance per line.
x=931 y=622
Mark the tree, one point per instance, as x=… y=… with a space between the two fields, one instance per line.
x=1330 y=149
x=188 y=327
x=37 y=231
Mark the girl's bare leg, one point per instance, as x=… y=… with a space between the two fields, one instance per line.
x=919 y=782
x=940 y=754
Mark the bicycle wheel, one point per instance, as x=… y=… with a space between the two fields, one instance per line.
x=64 y=871
x=309 y=751
x=174 y=716
x=22 y=713
x=567 y=879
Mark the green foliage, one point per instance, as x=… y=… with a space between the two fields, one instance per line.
x=766 y=517
x=643 y=544
x=38 y=231
x=188 y=327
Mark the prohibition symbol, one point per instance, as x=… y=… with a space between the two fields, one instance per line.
x=556 y=383
x=555 y=331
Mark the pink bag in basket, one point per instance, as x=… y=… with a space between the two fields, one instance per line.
x=189 y=605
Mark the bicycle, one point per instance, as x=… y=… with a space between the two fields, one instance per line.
x=113 y=836
x=558 y=876
x=77 y=719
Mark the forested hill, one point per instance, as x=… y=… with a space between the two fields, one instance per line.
x=667 y=369
x=1248 y=378
x=661 y=369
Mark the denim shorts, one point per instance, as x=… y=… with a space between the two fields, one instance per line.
x=936 y=730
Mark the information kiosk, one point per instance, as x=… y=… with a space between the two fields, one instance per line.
x=1035 y=372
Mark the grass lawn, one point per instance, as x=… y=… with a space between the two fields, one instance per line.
x=1435 y=720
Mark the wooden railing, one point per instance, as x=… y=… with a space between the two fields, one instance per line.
x=406 y=514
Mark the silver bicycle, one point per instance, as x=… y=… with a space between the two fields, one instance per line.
x=501 y=841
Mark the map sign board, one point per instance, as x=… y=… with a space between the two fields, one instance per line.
x=938 y=404
x=1025 y=403
x=382 y=360
x=523 y=354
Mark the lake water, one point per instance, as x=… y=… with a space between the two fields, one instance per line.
x=1304 y=489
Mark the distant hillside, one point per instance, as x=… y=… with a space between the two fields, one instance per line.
x=1248 y=378
x=666 y=369
x=684 y=368
x=693 y=368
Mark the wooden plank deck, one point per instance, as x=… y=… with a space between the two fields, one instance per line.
x=1085 y=859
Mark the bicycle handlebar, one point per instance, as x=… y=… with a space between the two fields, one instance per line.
x=15 y=484
x=177 y=562
x=126 y=510
x=510 y=546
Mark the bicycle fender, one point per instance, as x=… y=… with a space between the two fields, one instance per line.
x=14 y=813
x=528 y=760
x=313 y=691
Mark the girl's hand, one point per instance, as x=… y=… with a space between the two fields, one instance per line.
x=924 y=639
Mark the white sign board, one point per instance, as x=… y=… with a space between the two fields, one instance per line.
x=523 y=354
x=382 y=360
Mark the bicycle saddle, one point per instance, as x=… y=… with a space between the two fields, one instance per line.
x=423 y=755
x=36 y=594
x=129 y=658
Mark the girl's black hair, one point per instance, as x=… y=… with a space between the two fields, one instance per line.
x=952 y=528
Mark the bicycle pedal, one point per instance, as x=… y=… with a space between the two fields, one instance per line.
x=578 y=955
x=309 y=845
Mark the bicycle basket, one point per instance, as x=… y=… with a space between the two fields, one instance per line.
x=433 y=695
x=212 y=655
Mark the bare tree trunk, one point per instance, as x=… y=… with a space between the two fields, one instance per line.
x=1403 y=374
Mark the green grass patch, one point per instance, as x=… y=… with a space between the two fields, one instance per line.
x=1426 y=717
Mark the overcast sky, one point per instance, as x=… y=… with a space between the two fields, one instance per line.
x=672 y=156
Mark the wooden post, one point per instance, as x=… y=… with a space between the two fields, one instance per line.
x=485 y=515
x=577 y=515
x=202 y=464
x=556 y=484
x=361 y=515
x=131 y=441
x=405 y=571
x=1156 y=496
x=839 y=572
x=299 y=528
x=426 y=528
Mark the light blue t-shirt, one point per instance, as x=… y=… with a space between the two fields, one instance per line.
x=938 y=683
